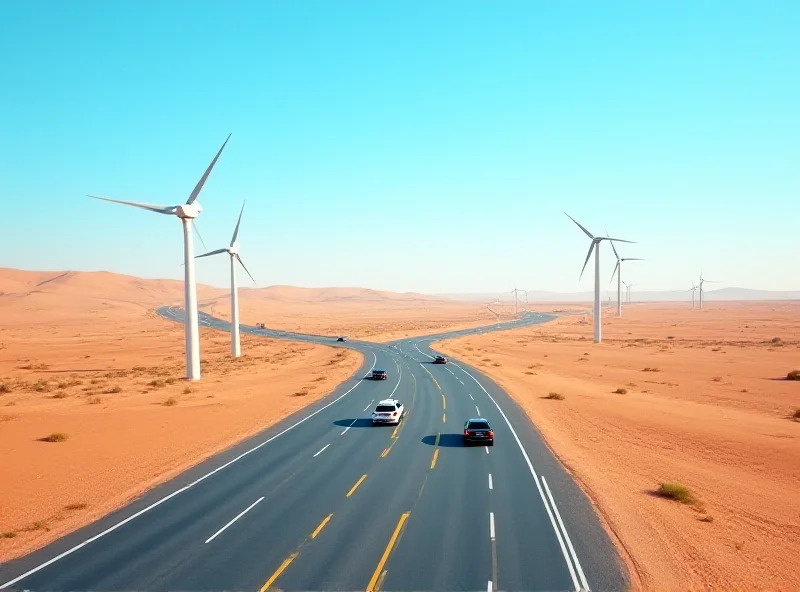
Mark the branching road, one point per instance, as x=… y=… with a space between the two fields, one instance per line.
x=325 y=501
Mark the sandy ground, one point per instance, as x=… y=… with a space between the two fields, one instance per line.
x=108 y=374
x=702 y=403
x=352 y=312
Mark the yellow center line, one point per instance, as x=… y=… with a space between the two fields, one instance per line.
x=359 y=482
x=444 y=417
x=444 y=403
x=435 y=456
x=436 y=382
x=438 y=435
x=278 y=572
x=371 y=587
x=385 y=452
x=322 y=524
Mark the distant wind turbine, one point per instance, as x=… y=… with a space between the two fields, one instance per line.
x=187 y=213
x=693 y=289
x=704 y=281
x=618 y=267
x=488 y=307
x=233 y=251
x=596 y=240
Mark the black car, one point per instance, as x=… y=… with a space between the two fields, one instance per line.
x=342 y=339
x=440 y=360
x=478 y=429
x=379 y=375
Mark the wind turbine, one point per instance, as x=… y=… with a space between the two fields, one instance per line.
x=187 y=213
x=703 y=281
x=596 y=240
x=233 y=251
x=618 y=267
x=693 y=289
x=488 y=307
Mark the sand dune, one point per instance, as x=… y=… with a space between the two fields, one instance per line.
x=672 y=395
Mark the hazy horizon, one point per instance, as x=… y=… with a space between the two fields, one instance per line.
x=422 y=147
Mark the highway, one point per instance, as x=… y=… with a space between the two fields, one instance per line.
x=325 y=501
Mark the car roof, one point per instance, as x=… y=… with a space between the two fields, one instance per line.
x=379 y=370
x=476 y=419
x=388 y=402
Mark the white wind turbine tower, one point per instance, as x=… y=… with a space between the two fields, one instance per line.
x=703 y=281
x=618 y=267
x=596 y=240
x=233 y=251
x=488 y=307
x=187 y=213
x=693 y=289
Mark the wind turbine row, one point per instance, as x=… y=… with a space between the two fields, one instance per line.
x=596 y=240
x=618 y=267
x=187 y=213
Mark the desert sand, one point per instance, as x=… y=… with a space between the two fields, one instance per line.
x=672 y=395
x=83 y=354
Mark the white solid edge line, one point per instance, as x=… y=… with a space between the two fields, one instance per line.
x=321 y=451
x=489 y=586
x=398 y=380
x=491 y=525
x=566 y=535
x=490 y=482
x=348 y=427
x=536 y=479
x=250 y=507
x=177 y=491
x=368 y=404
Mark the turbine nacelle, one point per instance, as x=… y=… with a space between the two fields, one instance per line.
x=188 y=211
x=233 y=250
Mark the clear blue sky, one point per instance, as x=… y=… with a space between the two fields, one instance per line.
x=429 y=146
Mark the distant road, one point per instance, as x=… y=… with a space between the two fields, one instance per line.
x=324 y=501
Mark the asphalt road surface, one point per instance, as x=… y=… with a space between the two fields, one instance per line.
x=325 y=501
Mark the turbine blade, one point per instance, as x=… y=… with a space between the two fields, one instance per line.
x=619 y=240
x=239 y=221
x=589 y=254
x=217 y=252
x=629 y=258
x=197 y=232
x=202 y=180
x=150 y=207
x=245 y=268
x=616 y=267
x=589 y=234
x=613 y=247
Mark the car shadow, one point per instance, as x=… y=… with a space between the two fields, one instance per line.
x=361 y=422
x=445 y=440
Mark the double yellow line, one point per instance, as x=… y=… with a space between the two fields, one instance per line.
x=373 y=583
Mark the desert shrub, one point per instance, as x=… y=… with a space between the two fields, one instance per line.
x=320 y=378
x=556 y=396
x=94 y=400
x=621 y=391
x=797 y=413
x=300 y=394
x=56 y=437
x=172 y=401
x=170 y=380
x=79 y=506
x=60 y=395
x=10 y=534
x=777 y=340
x=157 y=383
x=486 y=359
x=676 y=491
x=4 y=388
x=793 y=375
x=112 y=391
x=42 y=386
x=648 y=369
x=707 y=518
x=187 y=390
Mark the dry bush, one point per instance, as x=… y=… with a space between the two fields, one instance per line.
x=676 y=491
x=171 y=402
x=187 y=390
x=94 y=400
x=793 y=375
x=56 y=437
x=4 y=388
x=78 y=506
x=556 y=396
x=648 y=369
x=157 y=383
x=621 y=391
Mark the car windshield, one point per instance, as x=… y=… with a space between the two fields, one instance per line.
x=479 y=425
x=379 y=372
x=384 y=408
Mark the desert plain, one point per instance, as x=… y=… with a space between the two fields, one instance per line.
x=671 y=395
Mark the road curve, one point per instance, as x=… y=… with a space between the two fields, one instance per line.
x=324 y=501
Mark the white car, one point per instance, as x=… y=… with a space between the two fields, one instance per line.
x=388 y=411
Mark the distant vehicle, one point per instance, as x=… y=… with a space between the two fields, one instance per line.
x=379 y=375
x=260 y=326
x=440 y=360
x=478 y=429
x=388 y=411
x=342 y=339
